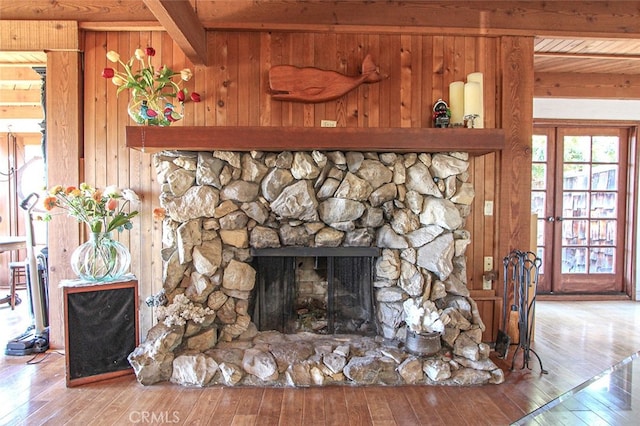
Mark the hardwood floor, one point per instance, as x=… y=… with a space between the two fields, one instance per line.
x=575 y=340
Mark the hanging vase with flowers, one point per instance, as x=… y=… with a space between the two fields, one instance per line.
x=156 y=99
x=101 y=258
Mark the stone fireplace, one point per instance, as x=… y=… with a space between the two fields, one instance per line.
x=251 y=238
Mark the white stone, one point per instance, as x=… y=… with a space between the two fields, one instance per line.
x=437 y=256
x=440 y=212
x=260 y=364
x=193 y=370
x=239 y=276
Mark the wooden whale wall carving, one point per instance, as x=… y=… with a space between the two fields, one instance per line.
x=289 y=83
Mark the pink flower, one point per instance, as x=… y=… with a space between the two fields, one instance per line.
x=195 y=97
x=181 y=96
x=112 y=204
x=108 y=73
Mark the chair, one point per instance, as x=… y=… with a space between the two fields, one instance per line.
x=18 y=280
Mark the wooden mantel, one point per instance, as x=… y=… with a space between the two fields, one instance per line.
x=151 y=139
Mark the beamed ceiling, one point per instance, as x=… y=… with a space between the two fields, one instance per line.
x=596 y=37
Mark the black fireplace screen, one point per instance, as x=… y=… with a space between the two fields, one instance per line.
x=347 y=308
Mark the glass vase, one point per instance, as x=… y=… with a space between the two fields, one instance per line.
x=101 y=258
x=154 y=110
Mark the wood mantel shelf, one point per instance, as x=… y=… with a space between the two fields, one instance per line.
x=151 y=139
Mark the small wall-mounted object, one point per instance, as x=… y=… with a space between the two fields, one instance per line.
x=310 y=85
x=441 y=114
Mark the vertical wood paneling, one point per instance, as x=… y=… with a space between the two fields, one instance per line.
x=244 y=75
x=232 y=83
x=107 y=129
x=406 y=87
x=438 y=69
x=517 y=120
x=265 y=64
x=416 y=82
x=373 y=99
x=64 y=136
x=394 y=84
x=95 y=45
x=221 y=76
x=254 y=81
x=121 y=118
x=234 y=90
x=426 y=90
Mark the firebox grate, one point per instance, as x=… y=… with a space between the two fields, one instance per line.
x=349 y=277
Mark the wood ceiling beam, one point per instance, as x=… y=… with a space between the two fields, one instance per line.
x=21 y=112
x=617 y=19
x=593 y=86
x=20 y=97
x=38 y=35
x=566 y=55
x=18 y=74
x=182 y=24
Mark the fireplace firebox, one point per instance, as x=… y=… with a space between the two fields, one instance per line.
x=339 y=300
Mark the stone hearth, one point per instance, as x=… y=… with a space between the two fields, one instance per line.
x=221 y=205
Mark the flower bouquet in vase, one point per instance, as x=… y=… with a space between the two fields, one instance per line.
x=156 y=99
x=101 y=258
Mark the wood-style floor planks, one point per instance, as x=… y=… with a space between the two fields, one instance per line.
x=271 y=407
x=36 y=393
x=313 y=412
x=292 y=407
x=356 y=403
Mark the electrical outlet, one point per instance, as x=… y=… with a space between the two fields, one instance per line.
x=488 y=263
x=328 y=123
x=486 y=284
x=488 y=208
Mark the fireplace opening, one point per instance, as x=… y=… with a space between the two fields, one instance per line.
x=317 y=290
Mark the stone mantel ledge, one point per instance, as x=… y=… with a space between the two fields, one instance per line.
x=150 y=139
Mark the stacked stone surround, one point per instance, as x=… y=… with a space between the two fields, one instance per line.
x=221 y=204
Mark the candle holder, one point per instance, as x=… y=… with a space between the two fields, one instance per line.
x=469 y=120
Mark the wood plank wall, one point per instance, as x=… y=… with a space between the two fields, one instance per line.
x=234 y=90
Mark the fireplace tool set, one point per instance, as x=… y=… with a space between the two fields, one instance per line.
x=521 y=272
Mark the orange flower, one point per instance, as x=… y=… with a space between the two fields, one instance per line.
x=50 y=203
x=159 y=213
x=99 y=209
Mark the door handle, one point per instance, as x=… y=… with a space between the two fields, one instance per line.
x=559 y=218
x=551 y=219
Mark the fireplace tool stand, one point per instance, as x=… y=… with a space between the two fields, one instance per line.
x=521 y=270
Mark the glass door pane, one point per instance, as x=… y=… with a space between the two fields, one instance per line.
x=578 y=193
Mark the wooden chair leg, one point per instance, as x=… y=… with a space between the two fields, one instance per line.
x=13 y=289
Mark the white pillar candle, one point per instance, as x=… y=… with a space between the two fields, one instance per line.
x=456 y=102
x=472 y=101
x=477 y=77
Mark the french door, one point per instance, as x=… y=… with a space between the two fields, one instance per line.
x=579 y=178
